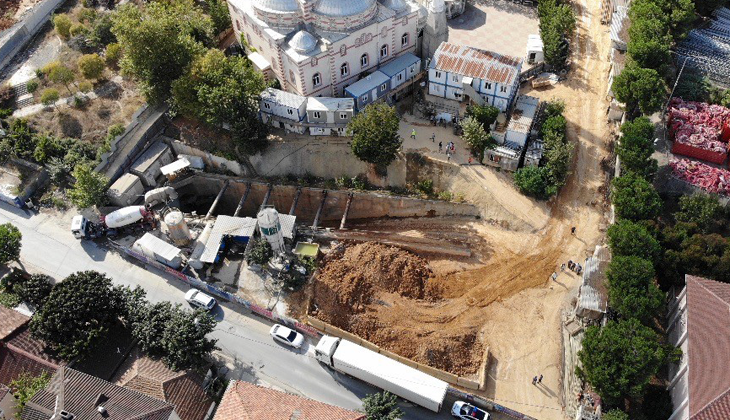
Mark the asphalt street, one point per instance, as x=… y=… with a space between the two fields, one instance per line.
x=246 y=347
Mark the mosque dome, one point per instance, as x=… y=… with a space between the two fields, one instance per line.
x=342 y=8
x=303 y=42
x=286 y=6
x=397 y=5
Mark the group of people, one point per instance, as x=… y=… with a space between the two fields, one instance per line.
x=537 y=380
x=573 y=266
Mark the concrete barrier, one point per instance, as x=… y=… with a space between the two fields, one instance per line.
x=13 y=39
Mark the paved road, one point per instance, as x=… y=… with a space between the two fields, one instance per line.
x=49 y=247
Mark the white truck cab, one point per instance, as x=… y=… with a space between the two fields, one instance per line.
x=326 y=349
x=79 y=226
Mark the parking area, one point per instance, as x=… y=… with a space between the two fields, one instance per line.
x=495 y=25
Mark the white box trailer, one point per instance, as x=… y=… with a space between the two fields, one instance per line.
x=382 y=372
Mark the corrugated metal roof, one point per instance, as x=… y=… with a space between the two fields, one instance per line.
x=158 y=246
x=593 y=295
x=288 y=223
x=365 y=85
x=226 y=226
x=476 y=63
x=399 y=64
x=619 y=25
x=330 y=104
x=523 y=114
x=283 y=98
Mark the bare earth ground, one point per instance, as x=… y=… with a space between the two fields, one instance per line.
x=509 y=301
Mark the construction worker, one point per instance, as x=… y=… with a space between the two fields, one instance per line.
x=413 y=134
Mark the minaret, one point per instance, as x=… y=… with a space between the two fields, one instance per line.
x=436 y=30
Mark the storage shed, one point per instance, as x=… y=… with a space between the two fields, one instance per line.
x=240 y=229
x=153 y=247
x=521 y=120
x=126 y=190
x=593 y=294
x=148 y=165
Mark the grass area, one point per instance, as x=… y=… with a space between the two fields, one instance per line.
x=8 y=299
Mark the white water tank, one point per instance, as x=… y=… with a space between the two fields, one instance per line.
x=270 y=228
x=177 y=228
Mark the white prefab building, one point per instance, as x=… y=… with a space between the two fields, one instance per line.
x=521 y=120
x=283 y=109
x=535 y=52
x=458 y=72
x=319 y=115
x=328 y=116
x=319 y=47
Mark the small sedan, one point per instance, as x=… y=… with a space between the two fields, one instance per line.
x=465 y=411
x=200 y=299
x=287 y=336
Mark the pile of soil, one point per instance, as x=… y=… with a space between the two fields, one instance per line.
x=357 y=281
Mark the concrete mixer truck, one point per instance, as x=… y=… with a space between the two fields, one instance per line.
x=83 y=228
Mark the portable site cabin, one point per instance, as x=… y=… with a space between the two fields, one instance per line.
x=126 y=190
x=521 y=121
x=535 y=52
x=239 y=229
x=147 y=166
x=283 y=109
x=329 y=116
x=401 y=70
x=372 y=88
x=155 y=248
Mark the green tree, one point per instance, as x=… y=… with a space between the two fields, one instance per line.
x=113 y=54
x=77 y=313
x=632 y=292
x=620 y=359
x=635 y=154
x=627 y=238
x=101 y=33
x=89 y=188
x=50 y=96
x=218 y=11
x=25 y=386
x=486 y=114
x=640 y=127
x=702 y=209
x=62 y=74
x=91 y=66
x=160 y=41
x=34 y=289
x=375 y=136
x=224 y=90
x=476 y=137
x=557 y=24
x=62 y=23
x=184 y=340
x=634 y=198
x=260 y=253
x=10 y=242
x=381 y=406
x=532 y=180
x=650 y=53
x=615 y=414
x=640 y=89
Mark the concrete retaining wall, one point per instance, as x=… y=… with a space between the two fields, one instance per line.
x=13 y=39
x=146 y=123
x=212 y=161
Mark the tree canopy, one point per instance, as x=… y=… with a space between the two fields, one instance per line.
x=636 y=148
x=702 y=209
x=640 y=89
x=381 y=406
x=620 y=359
x=159 y=41
x=486 y=114
x=91 y=66
x=89 y=188
x=77 y=313
x=632 y=291
x=375 y=136
x=628 y=238
x=533 y=181
x=10 y=242
x=224 y=90
x=635 y=198
x=557 y=24
x=476 y=137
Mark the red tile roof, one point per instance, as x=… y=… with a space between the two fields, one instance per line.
x=245 y=401
x=708 y=348
x=183 y=389
x=81 y=394
x=14 y=362
x=476 y=63
x=10 y=320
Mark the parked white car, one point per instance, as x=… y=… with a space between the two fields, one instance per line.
x=200 y=299
x=464 y=411
x=287 y=336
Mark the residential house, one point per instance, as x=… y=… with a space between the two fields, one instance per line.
x=77 y=394
x=699 y=324
x=369 y=89
x=183 y=389
x=463 y=74
x=245 y=401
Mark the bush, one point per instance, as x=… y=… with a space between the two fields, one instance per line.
x=32 y=86
x=113 y=54
x=85 y=86
x=34 y=290
x=78 y=29
x=86 y=15
x=532 y=181
x=10 y=242
x=615 y=414
x=91 y=66
x=89 y=189
x=101 y=32
x=445 y=195
x=62 y=23
x=425 y=187
x=49 y=96
x=260 y=253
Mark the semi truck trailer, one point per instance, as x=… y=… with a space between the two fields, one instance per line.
x=382 y=372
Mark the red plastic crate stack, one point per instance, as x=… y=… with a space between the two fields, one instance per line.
x=699 y=130
x=709 y=178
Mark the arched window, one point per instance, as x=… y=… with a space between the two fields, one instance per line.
x=344 y=69
x=384 y=51
x=317 y=79
x=364 y=60
x=404 y=40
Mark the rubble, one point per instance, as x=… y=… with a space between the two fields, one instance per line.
x=709 y=178
x=696 y=128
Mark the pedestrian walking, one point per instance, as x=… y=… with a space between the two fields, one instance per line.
x=413 y=133
x=562 y=267
x=572 y=230
x=539 y=380
x=433 y=137
x=534 y=380
x=441 y=146
x=555 y=276
x=470 y=160
x=448 y=156
x=570 y=264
